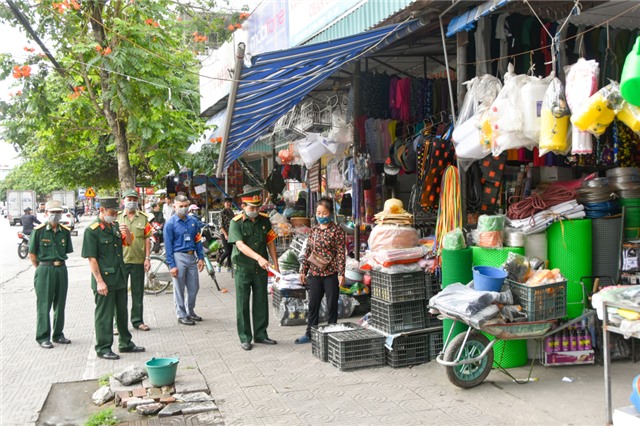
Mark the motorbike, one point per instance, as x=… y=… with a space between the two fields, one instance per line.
x=157 y=237
x=23 y=245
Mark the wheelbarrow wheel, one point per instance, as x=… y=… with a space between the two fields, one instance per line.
x=468 y=375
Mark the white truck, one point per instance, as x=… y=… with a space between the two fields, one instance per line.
x=67 y=198
x=17 y=201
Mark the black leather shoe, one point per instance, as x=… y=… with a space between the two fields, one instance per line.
x=186 y=321
x=267 y=341
x=246 y=346
x=46 y=345
x=109 y=355
x=63 y=340
x=195 y=317
x=133 y=349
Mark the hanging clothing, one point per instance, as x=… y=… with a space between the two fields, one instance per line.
x=483 y=40
x=502 y=35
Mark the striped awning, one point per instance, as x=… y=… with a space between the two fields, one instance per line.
x=277 y=81
x=467 y=20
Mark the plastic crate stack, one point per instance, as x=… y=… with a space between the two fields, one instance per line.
x=399 y=308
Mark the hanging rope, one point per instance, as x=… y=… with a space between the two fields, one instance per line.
x=449 y=210
x=552 y=196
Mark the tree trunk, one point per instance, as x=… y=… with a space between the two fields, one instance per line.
x=116 y=124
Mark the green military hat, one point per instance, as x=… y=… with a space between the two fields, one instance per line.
x=252 y=197
x=130 y=193
x=109 y=203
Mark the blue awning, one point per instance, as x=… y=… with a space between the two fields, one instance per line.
x=466 y=21
x=278 y=81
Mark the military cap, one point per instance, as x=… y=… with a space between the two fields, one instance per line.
x=130 y=193
x=253 y=197
x=109 y=203
x=53 y=206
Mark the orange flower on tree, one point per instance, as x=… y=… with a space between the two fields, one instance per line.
x=238 y=25
x=231 y=27
x=29 y=49
x=21 y=71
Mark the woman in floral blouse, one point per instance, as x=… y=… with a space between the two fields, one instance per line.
x=327 y=239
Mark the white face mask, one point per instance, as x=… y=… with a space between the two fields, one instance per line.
x=182 y=211
x=131 y=205
x=252 y=214
x=110 y=219
x=54 y=219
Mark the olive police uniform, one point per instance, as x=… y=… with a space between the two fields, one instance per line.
x=249 y=276
x=134 y=256
x=50 y=280
x=104 y=243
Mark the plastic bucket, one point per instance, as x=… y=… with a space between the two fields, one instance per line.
x=162 y=371
x=488 y=278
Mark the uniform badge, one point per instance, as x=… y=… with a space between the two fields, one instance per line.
x=44 y=240
x=63 y=241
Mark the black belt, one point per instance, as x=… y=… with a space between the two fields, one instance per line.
x=187 y=252
x=53 y=263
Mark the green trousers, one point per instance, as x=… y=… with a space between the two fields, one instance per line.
x=136 y=272
x=114 y=301
x=251 y=284
x=51 y=283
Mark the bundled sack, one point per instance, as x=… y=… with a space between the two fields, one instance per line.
x=554 y=122
x=387 y=258
x=599 y=111
x=489 y=232
x=582 y=82
x=385 y=237
x=454 y=240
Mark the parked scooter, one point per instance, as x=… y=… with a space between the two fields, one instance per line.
x=23 y=245
x=157 y=237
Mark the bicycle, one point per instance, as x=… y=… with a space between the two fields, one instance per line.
x=158 y=278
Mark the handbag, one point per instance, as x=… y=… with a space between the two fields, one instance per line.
x=318 y=259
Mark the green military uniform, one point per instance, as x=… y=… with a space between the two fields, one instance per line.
x=249 y=276
x=104 y=243
x=50 y=280
x=134 y=256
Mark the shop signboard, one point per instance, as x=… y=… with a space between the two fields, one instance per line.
x=215 y=80
x=268 y=27
x=308 y=17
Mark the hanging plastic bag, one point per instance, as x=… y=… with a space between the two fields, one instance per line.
x=335 y=180
x=554 y=121
x=532 y=93
x=582 y=82
x=506 y=116
x=482 y=91
x=311 y=149
x=598 y=112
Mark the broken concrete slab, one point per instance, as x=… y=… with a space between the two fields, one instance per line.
x=191 y=383
x=133 y=403
x=193 y=397
x=149 y=409
x=187 y=408
x=102 y=395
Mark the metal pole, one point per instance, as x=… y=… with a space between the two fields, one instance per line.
x=446 y=61
x=357 y=108
x=230 y=105
x=606 y=354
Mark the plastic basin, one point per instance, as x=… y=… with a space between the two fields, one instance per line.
x=162 y=371
x=488 y=278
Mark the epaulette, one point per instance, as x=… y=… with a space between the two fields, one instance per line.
x=64 y=227
x=94 y=225
x=149 y=216
x=264 y=215
x=40 y=226
x=237 y=217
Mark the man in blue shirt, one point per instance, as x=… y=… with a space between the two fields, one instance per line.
x=183 y=246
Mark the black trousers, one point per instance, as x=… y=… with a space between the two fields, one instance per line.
x=227 y=252
x=318 y=287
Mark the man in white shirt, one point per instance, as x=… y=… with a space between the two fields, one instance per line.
x=167 y=209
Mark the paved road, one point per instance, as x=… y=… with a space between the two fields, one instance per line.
x=283 y=384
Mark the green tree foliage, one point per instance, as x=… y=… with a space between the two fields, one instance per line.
x=126 y=96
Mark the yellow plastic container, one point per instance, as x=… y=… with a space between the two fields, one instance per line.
x=595 y=116
x=630 y=116
x=553 y=132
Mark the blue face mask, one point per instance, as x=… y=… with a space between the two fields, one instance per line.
x=323 y=220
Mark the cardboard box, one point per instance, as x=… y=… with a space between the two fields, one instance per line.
x=555 y=174
x=568 y=358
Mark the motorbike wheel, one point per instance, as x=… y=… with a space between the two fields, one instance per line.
x=158 y=278
x=23 y=250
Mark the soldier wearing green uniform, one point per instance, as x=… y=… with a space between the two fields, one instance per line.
x=136 y=255
x=251 y=234
x=48 y=248
x=102 y=245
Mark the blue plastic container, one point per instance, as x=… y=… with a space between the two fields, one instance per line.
x=488 y=278
x=635 y=393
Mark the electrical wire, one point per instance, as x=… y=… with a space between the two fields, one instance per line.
x=551 y=196
x=474 y=188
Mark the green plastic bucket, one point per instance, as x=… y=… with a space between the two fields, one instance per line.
x=162 y=371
